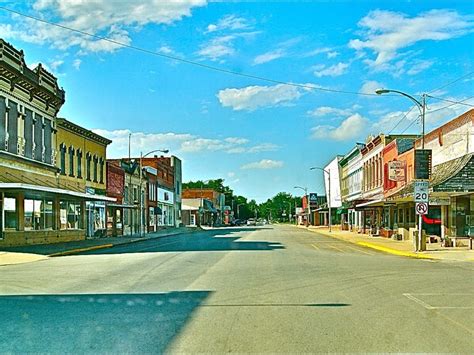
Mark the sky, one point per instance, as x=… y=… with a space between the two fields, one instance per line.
x=261 y=136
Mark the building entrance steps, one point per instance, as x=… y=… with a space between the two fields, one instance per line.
x=402 y=248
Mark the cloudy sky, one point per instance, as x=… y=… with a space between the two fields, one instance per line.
x=261 y=136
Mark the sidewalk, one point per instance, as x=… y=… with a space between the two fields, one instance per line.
x=20 y=254
x=398 y=247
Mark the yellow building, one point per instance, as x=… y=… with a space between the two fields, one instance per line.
x=38 y=204
x=81 y=165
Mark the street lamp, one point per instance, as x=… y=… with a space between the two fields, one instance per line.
x=305 y=189
x=422 y=108
x=329 y=192
x=141 y=172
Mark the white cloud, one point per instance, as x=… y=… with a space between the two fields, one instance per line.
x=77 y=64
x=56 y=64
x=419 y=66
x=217 y=48
x=386 y=32
x=318 y=51
x=327 y=110
x=177 y=143
x=333 y=70
x=229 y=22
x=165 y=50
x=370 y=86
x=352 y=127
x=268 y=56
x=332 y=54
x=99 y=17
x=263 y=164
x=253 y=97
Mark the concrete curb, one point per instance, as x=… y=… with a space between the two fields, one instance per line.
x=378 y=247
x=106 y=246
x=394 y=251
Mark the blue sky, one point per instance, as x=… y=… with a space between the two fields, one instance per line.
x=259 y=136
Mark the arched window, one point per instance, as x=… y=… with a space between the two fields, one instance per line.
x=79 y=163
x=62 y=161
x=101 y=170
x=71 y=161
x=88 y=166
x=95 y=168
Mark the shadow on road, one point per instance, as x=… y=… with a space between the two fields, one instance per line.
x=211 y=240
x=95 y=323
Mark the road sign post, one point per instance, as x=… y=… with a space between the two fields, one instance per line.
x=421 y=197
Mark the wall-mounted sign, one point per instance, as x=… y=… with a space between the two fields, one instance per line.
x=313 y=200
x=440 y=201
x=423 y=164
x=396 y=170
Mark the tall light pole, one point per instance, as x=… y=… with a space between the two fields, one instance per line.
x=141 y=173
x=422 y=108
x=305 y=189
x=329 y=192
x=202 y=201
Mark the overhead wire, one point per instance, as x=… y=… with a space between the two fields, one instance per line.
x=451 y=101
x=183 y=60
x=452 y=82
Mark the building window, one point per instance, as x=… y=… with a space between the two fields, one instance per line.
x=70 y=215
x=166 y=196
x=79 y=163
x=38 y=214
x=126 y=198
x=10 y=213
x=71 y=161
x=151 y=218
x=88 y=166
x=101 y=171
x=62 y=152
x=95 y=168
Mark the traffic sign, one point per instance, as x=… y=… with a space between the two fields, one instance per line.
x=423 y=164
x=421 y=208
x=421 y=191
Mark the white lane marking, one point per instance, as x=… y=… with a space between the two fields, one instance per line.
x=427 y=306
x=358 y=250
x=417 y=300
x=314 y=246
x=336 y=248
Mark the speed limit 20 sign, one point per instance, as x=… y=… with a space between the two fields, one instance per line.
x=421 y=191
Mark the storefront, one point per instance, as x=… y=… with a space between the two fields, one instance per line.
x=39 y=215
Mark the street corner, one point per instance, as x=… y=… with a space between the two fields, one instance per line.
x=10 y=258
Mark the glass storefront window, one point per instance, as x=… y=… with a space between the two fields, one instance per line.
x=10 y=212
x=152 y=216
x=70 y=215
x=38 y=214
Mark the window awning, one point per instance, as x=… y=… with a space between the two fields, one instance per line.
x=86 y=196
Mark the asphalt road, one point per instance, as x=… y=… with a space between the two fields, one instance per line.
x=265 y=289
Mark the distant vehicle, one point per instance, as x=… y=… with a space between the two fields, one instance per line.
x=251 y=222
x=237 y=222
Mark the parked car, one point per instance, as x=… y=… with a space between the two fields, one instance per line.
x=251 y=222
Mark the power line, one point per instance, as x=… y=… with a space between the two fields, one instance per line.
x=451 y=101
x=411 y=124
x=444 y=107
x=187 y=61
x=452 y=82
x=403 y=117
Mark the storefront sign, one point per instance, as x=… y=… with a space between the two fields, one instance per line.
x=421 y=191
x=440 y=201
x=313 y=200
x=423 y=164
x=396 y=170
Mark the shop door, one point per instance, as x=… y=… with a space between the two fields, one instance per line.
x=193 y=220
x=462 y=216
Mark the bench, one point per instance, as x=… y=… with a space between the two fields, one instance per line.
x=470 y=238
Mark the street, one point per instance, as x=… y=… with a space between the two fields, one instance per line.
x=271 y=288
